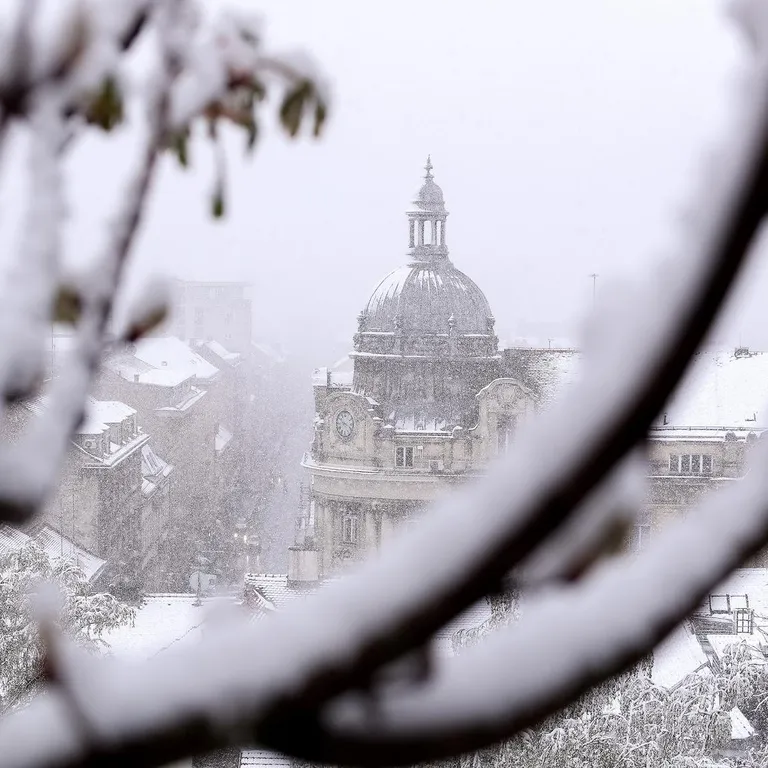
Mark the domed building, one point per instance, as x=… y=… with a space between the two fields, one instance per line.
x=425 y=405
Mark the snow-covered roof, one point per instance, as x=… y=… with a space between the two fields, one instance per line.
x=546 y=371
x=152 y=465
x=725 y=388
x=274 y=587
x=677 y=657
x=170 y=353
x=11 y=540
x=108 y=411
x=232 y=358
x=192 y=397
x=54 y=544
x=260 y=758
x=339 y=375
x=266 y=351
x=160 y=377
x=752 y=583
x=99 y=414
x=222 y=439
x=162 y=622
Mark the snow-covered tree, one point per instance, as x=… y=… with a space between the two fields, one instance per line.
x=83 y=616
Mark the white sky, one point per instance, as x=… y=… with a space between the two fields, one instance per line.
x=565 y=135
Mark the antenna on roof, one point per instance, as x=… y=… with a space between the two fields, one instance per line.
x=594 y=277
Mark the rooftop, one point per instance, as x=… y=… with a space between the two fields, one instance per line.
x=54 y=544
x=165 y=621
x=728 y=388
x=172 y=354
x=231 y=358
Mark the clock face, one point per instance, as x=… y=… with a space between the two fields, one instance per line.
x=345 y=423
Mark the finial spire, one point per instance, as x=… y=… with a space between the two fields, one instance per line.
x=428 y=167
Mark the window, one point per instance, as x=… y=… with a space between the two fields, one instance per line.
x=404 y=457
x=505 y=427
x=349 y=529
x=691 y=464
x=641 y=535
x=743 y=620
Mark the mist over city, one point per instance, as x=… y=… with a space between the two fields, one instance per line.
x=383 y=387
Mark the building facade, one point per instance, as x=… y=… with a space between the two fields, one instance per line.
x=702 y=440
x=219 y=311
x=425 y=408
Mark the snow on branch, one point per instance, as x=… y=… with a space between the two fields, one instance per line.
x=55 y=83
x=571 y=639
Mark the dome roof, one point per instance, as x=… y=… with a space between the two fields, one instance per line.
x=430 y=197
x=428 y=297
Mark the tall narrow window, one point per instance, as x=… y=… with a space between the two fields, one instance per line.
x=349 y=529
x=641 y=535
x=674 y=463
x=706 y=464
x=696 y=464
x=505 y=428
x=685 y=464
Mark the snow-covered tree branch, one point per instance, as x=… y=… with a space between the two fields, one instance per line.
x=312 y=681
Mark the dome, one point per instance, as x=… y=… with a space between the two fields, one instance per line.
x=428 y=297
x=430 y=197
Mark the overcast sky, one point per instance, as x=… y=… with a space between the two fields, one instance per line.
x=565 y=135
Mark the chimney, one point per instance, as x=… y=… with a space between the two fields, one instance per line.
x=303 y=566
